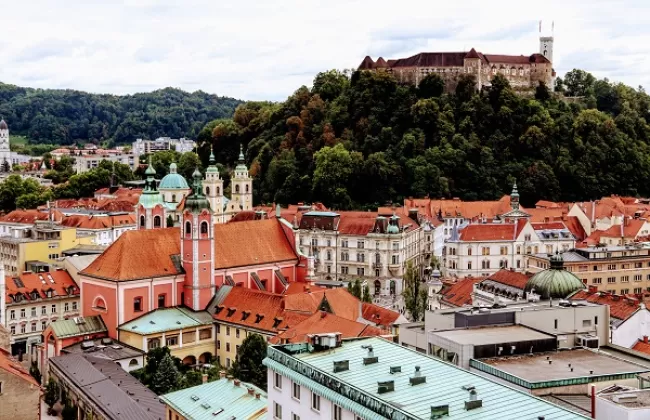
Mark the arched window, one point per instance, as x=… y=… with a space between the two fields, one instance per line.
x=207 y=190
x=99 y=303
x=237 y=189
x=173 y=198
x=377 y=287
x=218 y=191
x=204 y=228
x=142 y=221
x=133 y=362
x=156 y=221
x=246 y=187
x=188 y=228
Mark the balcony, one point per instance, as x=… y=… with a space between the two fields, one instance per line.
x=377 y=265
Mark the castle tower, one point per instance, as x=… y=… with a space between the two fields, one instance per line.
x=197 y=248
x=546 y=47
x=514 y=197
x=242 y=186
x=150 y=211
x=213 y=189
x=5 y=152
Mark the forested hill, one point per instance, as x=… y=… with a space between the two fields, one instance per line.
x=65 y=116
x=365 y=140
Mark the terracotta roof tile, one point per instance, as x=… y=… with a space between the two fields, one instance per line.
x=98 y=222
x=59 y=281
x=510 y=278
x=642 y=347
x=460 y=292
x=378 y=315
x=239 y=244
x=630 y=229
x=620 y=307
x=488 y=232
x=324 y=322
x=458 y=208
x=548 y=226
x=12 y=366
x=575 y=227
x=24 y=216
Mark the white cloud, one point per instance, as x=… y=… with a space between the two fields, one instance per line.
x=265 y=50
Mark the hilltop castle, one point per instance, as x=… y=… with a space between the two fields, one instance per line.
x=522 y=71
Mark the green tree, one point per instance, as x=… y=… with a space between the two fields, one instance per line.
x=431 y=86
x=187 y=163
x=366 y=294
x=579 y=83
x=248 y=366
x=166 y=378
x=51 y=394
x=331 y=176
x=355 y=290
x=69 y=412
x=191 y=378
x=170 y=221
x=415 y=296
x=35 y=372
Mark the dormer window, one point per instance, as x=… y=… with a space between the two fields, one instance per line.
x=218 y=309
x=230 y=312
x=276 y=322
x=258 y=318
x=245 y=315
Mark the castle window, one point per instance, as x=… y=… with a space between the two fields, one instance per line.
x=173 y=198
x=218 y=191
x=188 y=228
x=247 y=188
x=204 y=228
x=521 y=71
x=156 y=221
x=137 y=304
x=161 y=300
x=142 y=221
x=237 y=189
x=207 y=190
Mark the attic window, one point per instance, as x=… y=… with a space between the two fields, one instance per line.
x=258 y=318
x=276 y=322
x=245 y=315
x=231 y=311
x=218 y=309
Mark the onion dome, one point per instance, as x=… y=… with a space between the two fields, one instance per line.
x=3 y=125
x=212 y=167
x=241 y=165
x=173 y=180
x=150 y=196
x=554 y=283
x=196 y=201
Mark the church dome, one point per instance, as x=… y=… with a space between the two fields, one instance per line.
x=554 y=283
x=196 y=201
x=173 y=180
x=3 y=125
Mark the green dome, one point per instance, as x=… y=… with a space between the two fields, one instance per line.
x=392 y=229
x=173 y=180
x=554 y=283
x=196 y=201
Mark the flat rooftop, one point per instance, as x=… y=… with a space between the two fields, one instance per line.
x=585 y=364
x=491 y=335
x=446 y=384
x=633 y=398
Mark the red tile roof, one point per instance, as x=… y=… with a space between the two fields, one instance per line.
x=489 y=232
x=575 y=227
x=460 y=292
x=25 y=216
x=378 y=315
x=510 y=278
x=620 y=307
x=99 y=222
x=12 y=366
x=629 y=229
x=458 y=208
x=324 y=322
x=25 y=284
x=548 y=226
x=239 y=244
x=642 y=347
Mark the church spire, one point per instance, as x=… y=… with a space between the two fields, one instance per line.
x=150 y=183
x=241 y=154
x=514 y=197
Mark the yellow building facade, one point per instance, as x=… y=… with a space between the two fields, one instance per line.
x=189 y=335
x=230 y=337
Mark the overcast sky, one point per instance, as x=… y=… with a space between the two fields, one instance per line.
x=266 y=49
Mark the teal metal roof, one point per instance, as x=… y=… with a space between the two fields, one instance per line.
x=167 y=319
x=321 y=214
x=78 y=326
x=202 y=402
x=358 y=386
x=556 y=282
x=173 y=181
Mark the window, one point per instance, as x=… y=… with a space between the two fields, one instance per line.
x=66 y=307
x=344 y=270
x=395 y=259
x=315 y=402
x=218 y=344
x=43 y=325
x=469 y=265
x=34 y=311
x=13 y=329
x=469 y=250
x=586 y=323
x=156 y=221
x=23 y=328
x=555 y=324
x=638 y=290
x=503 y=250
x=611 y=267
x=12 y=314
x=74 y=306
x=53 y=309
x=171 y=340
x=227 y=346
x=395 y=246
x=188 y=228
x=277 y=411
x=611 y=280
x=485 y=264
x=638 y=277
x=625 y=279
x=338 y=413
x=161 y=300
x=361 y=257
x=43 y=310
x=137 y=304
x=142 y=221
x=227 y=362
x=295 y=417
x=596 y=280
x=485 y=250
x=174 y=198
x=329 y=242
x=227 y=330
x=22 y=313
x=361 y=271
x=277 y=380
x=204 y=228
x=625 y=291
x=295 y=391
x=237 y=349
x=205 y=334
x=237 y=332
x=328 y=255
x=344 y=243
x=361 y=244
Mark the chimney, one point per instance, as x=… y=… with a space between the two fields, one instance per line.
x=645 y=339
x=278 y=211
x=417 y=377
x=237 y=382
x=473 y=402
x=251 y=391
x=204 y=378
x=222 y=374
x=371 y=359
x=257 y=395
x=229 y=377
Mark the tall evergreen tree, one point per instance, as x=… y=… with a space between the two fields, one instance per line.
x=248 y=366
x=166 y=378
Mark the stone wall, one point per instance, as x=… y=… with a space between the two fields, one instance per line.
x=5 y=339
x=19 y=400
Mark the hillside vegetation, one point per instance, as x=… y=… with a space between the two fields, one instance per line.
x=365 y=140
x=64 y=117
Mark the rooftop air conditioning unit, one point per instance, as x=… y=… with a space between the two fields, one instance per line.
x=588 y=341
